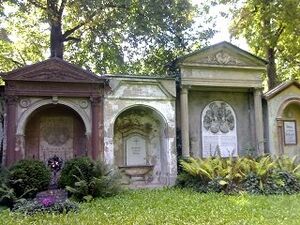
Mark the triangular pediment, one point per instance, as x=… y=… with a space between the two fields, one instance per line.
x=53 y=70
x=284 y=86
x=222 y=54
x=141 y=88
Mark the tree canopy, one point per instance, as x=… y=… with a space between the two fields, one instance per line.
x=272 y=30
x=111 y=36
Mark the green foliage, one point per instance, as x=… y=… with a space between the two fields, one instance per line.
x=230 y=175
x=106 y=36
x=27 y=177
x=77 y=167
x=86 y=179
x=270 y=27
x=8 y=195
x=173 y=206
x=33 y=207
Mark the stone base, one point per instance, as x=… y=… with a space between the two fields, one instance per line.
x=58 y=195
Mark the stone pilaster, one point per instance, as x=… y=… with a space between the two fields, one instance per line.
x=11 y=154
x=258 y=121
x=184 y=114
x=97 y=127
x=279 y=123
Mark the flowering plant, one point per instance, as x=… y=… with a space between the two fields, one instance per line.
x=55 y=163
x=48 y=201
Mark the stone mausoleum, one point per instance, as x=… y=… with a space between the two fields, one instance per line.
x=143 y=125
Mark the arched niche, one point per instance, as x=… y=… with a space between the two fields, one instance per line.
x=219 y=130
x=139 y=140
x=288 y=129
x=54 y=129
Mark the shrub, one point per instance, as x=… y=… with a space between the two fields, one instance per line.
x=185 y=180
x=261 y=175
x=27 y=177
x=32 y=207
x=103 y=182
x=70 y=171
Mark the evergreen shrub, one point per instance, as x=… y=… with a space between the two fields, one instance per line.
x=28 y=177
x=70 y=171
x=85 y=179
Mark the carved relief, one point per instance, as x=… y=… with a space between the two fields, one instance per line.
x=56 y=137
x=223 y=58
x=25 y=102
x=218 y=118
x=84 y=103
x=219 y=133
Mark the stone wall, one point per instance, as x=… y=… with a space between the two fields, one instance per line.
x=242 y=104
x=144 y=106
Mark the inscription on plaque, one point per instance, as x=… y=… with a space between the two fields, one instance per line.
x=219 y=130
x=290 y=132
x=136 y=151
x=56 y=137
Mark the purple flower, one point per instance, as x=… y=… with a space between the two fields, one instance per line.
x=48 y=201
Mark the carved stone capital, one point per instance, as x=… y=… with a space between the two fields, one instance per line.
x=11 y=99
x=95 y=100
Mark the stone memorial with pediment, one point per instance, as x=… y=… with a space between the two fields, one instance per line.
x=53 y=108
x=220 y=101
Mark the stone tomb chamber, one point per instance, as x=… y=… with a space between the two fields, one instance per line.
x=53 y=108
x=282 y=119
x=139 y=132
x=220 y=102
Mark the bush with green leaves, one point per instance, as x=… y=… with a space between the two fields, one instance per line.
x=28 y=176
x=30 y=207
x=262 y=175
x=70 y=171
x=89 y=179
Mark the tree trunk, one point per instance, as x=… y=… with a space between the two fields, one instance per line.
x=271 y=68
x=56 y=40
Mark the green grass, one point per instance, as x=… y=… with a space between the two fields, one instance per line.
x=174 y=206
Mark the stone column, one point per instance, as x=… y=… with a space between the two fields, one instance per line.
x=11 y=110
x=184 y=116
x=97 y=125
x=258 y=121
x=279 y=123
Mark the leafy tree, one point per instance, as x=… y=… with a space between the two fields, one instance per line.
x=272 y=30
x=107 y=36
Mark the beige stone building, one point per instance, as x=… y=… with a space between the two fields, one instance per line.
x=220 y=102
x=282 y=119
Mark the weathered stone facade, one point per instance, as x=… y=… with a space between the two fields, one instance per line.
x=231 y=76
x=55 y=108
x=282 y=119
x=52 y=107
x=141 y=109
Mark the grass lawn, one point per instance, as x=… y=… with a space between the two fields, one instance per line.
x=173 y=206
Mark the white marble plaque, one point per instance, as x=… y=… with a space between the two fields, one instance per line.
x=219 y=130
x=56 y=137
x=290 y=133
x=136 y=151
